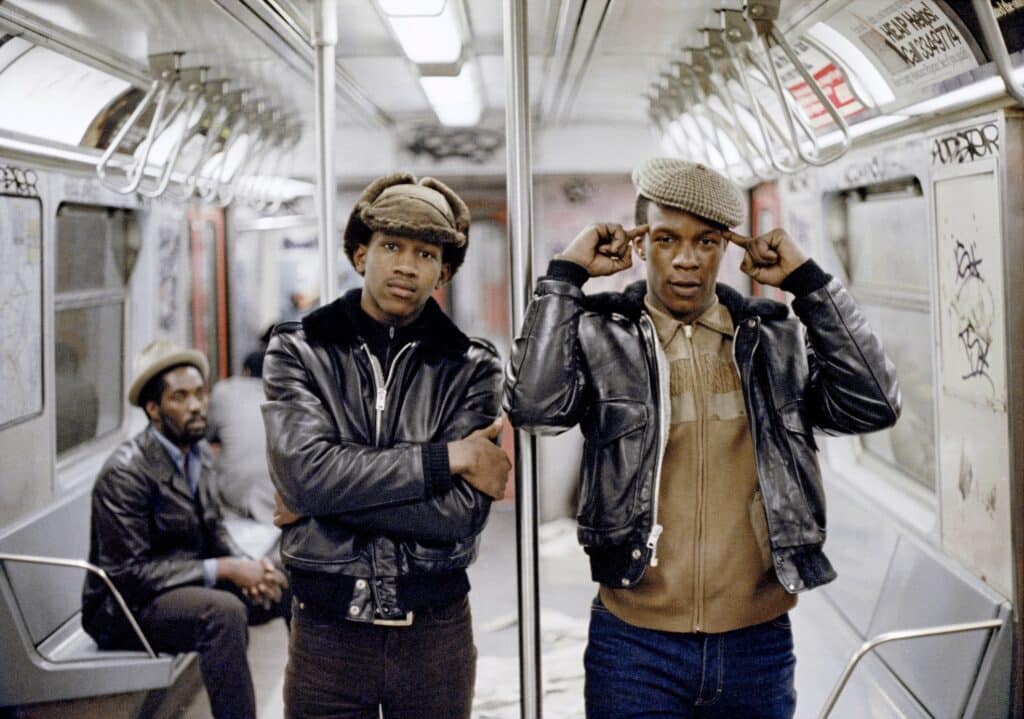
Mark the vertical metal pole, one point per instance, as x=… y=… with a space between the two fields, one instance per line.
x=325 y=37
x=520 y=226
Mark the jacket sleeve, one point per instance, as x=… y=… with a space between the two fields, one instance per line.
x=313 y=468
x=853 y=386
x=122 y=512
x=462 y=511
x=544 y=379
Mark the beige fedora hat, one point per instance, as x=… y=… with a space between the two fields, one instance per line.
x=161 y=355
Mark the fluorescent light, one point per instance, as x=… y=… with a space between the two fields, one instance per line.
x=409 y=8
x=456 y=100
x=429 y=39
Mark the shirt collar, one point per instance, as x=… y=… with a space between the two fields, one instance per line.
x=176 y=455
x=716 y=317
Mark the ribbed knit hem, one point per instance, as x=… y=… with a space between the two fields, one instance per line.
x=568 y=271
x=805 y=279
x=436 y=470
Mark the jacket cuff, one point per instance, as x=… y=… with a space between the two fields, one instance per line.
x=567 y=271
x=436 y=470
x=209 y=572
x=805 y=279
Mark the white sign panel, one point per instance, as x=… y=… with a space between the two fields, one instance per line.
x=21 y=308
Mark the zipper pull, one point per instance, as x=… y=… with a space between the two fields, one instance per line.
x=652 y=543
x=382 y=395
x=688 y=331
x=391 y=332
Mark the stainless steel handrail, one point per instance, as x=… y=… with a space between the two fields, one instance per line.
x=82 y=564
x=896 y=636
x=996 y=46
x=763 y=14
x=192 y=79
x=738 y=35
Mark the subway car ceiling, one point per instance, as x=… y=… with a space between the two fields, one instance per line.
x=608 y=80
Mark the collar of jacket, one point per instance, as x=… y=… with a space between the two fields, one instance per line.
x=630 y=303
x=336 y=324
x=160 y=466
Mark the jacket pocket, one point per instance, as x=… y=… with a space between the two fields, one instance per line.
x=439 y=556
x=759 y=525
x=803 y=454
x=612 y=458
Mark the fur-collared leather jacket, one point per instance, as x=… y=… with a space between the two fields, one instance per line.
x=147 y=533
x=346 y=449
x=595 y=360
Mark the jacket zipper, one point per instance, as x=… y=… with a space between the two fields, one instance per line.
x=698 y=402
x=663 y=422
x=381 y=384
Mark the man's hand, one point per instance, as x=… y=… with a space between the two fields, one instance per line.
x=769 y=257
x=283 y=514
x=258 y=579
x=480 y=461
x=603 y=248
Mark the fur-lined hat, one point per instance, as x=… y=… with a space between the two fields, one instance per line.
x=428 y=210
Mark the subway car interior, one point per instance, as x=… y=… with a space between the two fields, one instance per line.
x=183 y=170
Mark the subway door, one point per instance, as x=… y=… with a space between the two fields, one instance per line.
x=208 y=264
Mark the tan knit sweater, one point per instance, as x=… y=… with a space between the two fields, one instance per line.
x=714 y=570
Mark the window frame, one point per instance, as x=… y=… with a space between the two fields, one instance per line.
x=86 y=300
x=868 y=462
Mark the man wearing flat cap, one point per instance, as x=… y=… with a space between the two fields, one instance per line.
x=381 y=417
x=158 y=532
x=700 y=503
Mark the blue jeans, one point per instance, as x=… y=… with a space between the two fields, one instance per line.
x=635 y=673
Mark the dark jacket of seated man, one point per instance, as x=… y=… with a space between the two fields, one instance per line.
x=157 y=532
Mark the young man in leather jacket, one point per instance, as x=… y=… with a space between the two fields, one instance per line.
x=381 y=418
x=701 y=504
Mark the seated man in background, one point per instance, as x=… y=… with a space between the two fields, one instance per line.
x=157 y=531
x=235 y=431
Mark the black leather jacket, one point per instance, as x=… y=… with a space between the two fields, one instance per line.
x=147 y=533
x=595 y=360
x=347 y=449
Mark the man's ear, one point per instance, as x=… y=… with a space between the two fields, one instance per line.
x=152 y=410
x=359 y=258
x=446 y=274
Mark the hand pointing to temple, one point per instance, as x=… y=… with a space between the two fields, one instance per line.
x=769 y=257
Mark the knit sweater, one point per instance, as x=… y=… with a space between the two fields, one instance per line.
x=714 y=570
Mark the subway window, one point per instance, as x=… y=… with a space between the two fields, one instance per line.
x=879 y=234
x=95 y=251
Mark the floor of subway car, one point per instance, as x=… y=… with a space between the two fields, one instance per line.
x=566 y=592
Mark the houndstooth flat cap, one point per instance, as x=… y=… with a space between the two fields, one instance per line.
x=692 y=187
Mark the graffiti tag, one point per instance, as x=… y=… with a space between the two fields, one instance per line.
x=966 y=145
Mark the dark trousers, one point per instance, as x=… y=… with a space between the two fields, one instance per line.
x=351 y=670
x=213 y=621
x=636 y=673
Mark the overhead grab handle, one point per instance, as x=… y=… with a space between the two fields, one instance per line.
x=996 y=46
x=704 y=67
x=164 y=68
x=763 y=14
x=738 y=35
x=192 y=80
x=717 y=58
x=231 y=129
x=210 y=124
x=691 y=89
